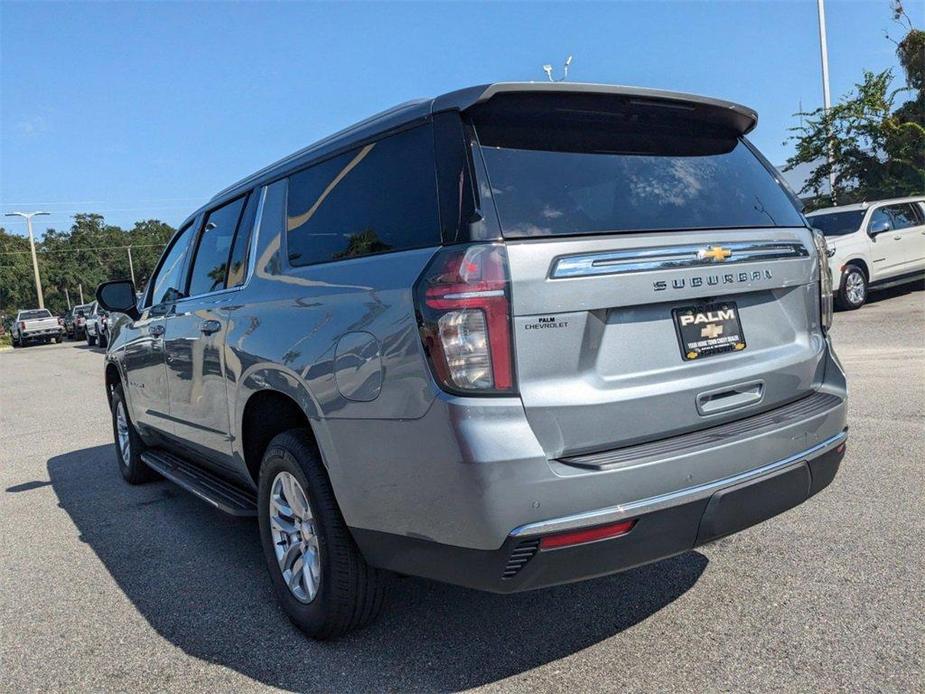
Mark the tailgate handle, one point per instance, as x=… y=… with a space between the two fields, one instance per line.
x=730 y=398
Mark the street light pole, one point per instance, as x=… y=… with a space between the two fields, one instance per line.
x=131 y=267
x=826 y=97
x=35 y=263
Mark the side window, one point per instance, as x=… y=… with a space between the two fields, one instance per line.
x=879 y=216
x=380 y=197
x=166 y=285
x=237 y=264
x=210 y=264
x=904 y=216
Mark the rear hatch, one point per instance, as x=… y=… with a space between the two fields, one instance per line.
x=662 y=279
x=40 y=319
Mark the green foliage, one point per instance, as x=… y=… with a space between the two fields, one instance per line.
x=90 y=252
x=876 y=134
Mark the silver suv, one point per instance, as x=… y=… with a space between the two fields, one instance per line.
x=514 y=336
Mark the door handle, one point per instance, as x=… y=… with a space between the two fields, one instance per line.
x=156 y=330
x=210 y=326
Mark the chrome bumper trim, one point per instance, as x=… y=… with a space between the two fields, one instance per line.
x=657 y=503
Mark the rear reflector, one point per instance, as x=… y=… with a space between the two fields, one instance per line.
x=578 y=537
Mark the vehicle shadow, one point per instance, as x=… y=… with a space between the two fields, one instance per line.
x=198 y=577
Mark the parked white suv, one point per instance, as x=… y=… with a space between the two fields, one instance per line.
x=873 y=245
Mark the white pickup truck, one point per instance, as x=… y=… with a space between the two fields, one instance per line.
x=36 y=325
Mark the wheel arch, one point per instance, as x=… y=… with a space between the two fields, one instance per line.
x=861 y=264
x=269 y=401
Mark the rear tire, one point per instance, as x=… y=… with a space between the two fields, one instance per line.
x=91 y=339
x=59 y=339
x=348 y=593
x=129 y=445
x=103 y=341
x=853 y=290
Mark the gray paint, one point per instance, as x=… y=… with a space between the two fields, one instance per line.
x=341 y=340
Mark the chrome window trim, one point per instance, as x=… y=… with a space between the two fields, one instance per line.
x=682 y=496
x=668 y=257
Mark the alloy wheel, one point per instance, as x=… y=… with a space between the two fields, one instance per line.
x=854 y=288
x=122 y=434
x=295 y=537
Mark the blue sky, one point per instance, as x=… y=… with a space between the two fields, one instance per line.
x=141 y=110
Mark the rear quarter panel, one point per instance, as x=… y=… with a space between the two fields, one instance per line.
x=297 y=331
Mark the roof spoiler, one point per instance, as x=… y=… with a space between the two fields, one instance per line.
x=739 y=118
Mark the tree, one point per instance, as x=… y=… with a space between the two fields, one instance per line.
x=877 y=145
x=90 y=252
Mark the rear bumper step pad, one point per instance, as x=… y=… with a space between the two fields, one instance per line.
x=800 y=410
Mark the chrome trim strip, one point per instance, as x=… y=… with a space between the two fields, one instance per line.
x=658 y=503
x=669 y=257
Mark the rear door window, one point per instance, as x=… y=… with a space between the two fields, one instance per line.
x=210 y=265
x=377 y=198
x=237 y=264
x=561 y=171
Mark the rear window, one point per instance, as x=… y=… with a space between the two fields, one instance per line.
x=837 y=223
x=569 y=170
x=32 y=315
x=377 y=198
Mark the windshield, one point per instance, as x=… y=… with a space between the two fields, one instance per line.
x=32 y=315
x=563 y=172
x=837 y=223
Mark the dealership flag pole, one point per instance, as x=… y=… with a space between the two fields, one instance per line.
x=826 y=97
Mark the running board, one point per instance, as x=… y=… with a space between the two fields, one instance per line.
x=209 y=487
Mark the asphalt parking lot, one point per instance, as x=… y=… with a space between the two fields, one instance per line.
x=104 y=586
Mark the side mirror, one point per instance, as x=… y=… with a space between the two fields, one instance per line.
x=878 y=227
x=118 y=296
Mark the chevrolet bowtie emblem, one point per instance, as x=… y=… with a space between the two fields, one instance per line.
x=711 y=331
x=714 y=253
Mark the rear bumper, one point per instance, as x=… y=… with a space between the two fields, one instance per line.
x=665 y=526
x=470 y=478
x=45 y=332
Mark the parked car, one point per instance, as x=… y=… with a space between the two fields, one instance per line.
x=515 y=336
x=873 y=245
x=36 y=325
x=75 y=321
x=97 y=326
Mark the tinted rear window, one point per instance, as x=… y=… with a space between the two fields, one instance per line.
x=634 y=168
x=32 y=315
x=377 y=198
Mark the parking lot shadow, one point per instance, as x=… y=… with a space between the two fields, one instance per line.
x=198 y=578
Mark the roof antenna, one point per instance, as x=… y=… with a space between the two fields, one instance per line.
x=548 y=70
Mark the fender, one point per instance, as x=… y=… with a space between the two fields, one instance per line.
x=273 y=377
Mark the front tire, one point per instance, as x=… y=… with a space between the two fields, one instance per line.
x=853 y=291
x=129 y=445
x=319 y=576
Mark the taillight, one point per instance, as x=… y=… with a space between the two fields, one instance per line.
x=22 y=325
x=826 y=300
x=463 y=304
